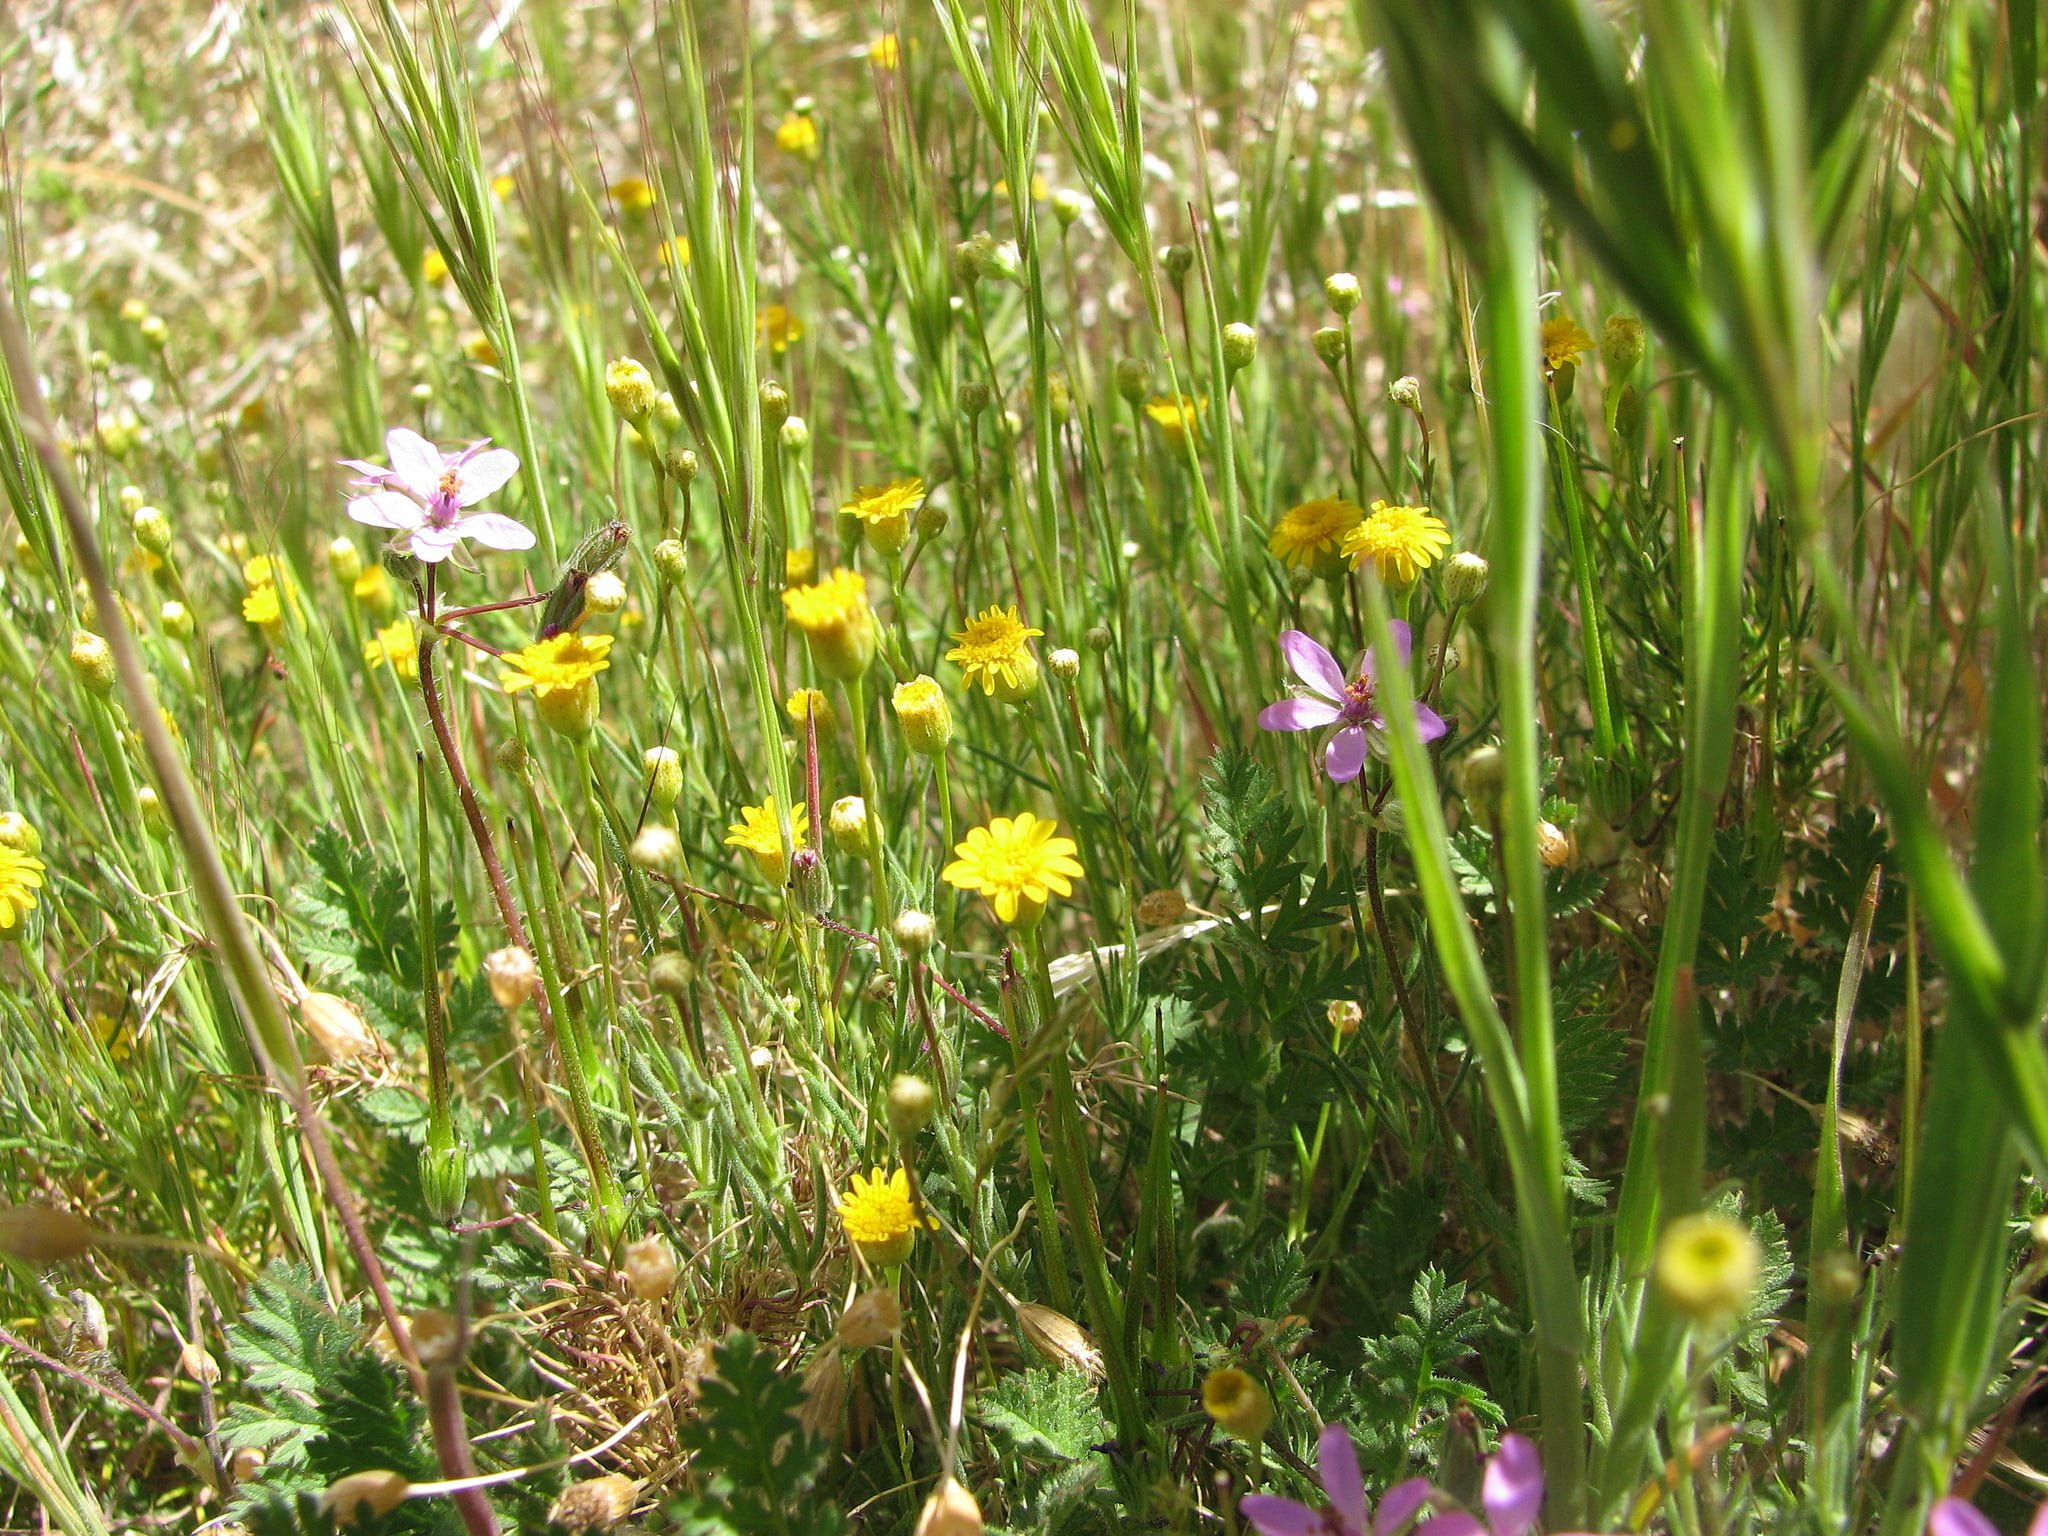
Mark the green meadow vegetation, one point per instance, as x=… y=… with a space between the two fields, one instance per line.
x=771 y=769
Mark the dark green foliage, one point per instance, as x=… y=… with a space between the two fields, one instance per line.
x=1411 y=1378
x=361 y=930
x=325 y=1405
x=754 y=1462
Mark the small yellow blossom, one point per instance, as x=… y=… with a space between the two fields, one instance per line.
x=396 y=646
x=1313 y=534
x=1563 y=342
x=478 y=349
x=797 y=135
x=115 y=1036
x=434 y=266
x=1400 y=542
x=994 y=651
x=1238 y=1403
x=562 y=672
x=837 y=621
x=758 y=833
x=676 y=250
x=885 y=510
x=503 y=186
x=1041 y=189
x=884 y=52
x=777 y=328
x=1707 y=1265
x=632 y=194
x=881 y=1216
x=1016 y=862
x=799 y=567
x=263 y=608
x=807 y=704
x=21 y=876
x=557 y=664
x=372 y=588
x=1177 y=415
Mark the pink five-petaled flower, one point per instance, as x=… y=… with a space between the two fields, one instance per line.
x=423 y=494
x=1511 y=1492
x=1348 y=1514
x=1353 y=706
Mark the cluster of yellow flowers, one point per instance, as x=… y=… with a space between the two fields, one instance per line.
x=21 y=872
x=1401 y=542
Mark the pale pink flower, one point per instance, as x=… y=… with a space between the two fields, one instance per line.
x=422 y=496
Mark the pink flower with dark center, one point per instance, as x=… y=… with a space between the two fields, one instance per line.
x=1350 y=705
x=1348 y=1514
x=422 y=497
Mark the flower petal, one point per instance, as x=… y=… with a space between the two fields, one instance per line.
x=415 y=461
x=1279 y=1517
x=434 y=545
x=1428 y=723
x=485 y=473
x=1313 y=664
x=1957 y=1517
x=1344 y=758
x=1513 y=1490
x=1298 y=715
x=1337 y=1466
x=1399 y=1503
x=494 y=530
x=386 y=509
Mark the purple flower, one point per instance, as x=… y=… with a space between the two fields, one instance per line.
x=1352 y=706
x=1511 y=1492
x=423 y=493
x=1348 y=1514
x=1955 y=1517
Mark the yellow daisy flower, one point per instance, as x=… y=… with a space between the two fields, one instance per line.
x=1400 y=541
x=995 y=652
x=372 y=589
x=434 y=266
x=557 y=664
x=797 y=135
x=562 y=672
x=799 y=567
x=1312 y=534
x=1177 y=415
x=1016 y=862
x=677 y=250
x=757 y=832
x=21 y=876
x=263 y=608
x=885 y=510
x=884 y=52
x=396 y=646
x=1563 y=342
x=881 y=1217
x=777 y=328
x=836 y=620
x=633 y=194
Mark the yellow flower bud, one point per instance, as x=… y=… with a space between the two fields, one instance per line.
x=630 y=389
x=92 y=662
x=926 y=718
